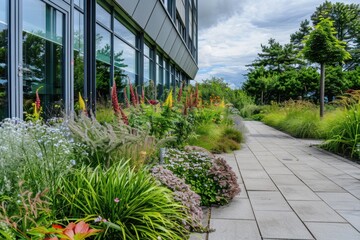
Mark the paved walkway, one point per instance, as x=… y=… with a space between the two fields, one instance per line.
x=290 y=190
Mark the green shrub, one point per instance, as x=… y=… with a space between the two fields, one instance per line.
x=183 y=194
x=249 y=110
x=128 y=204
x=211 y=178
x=233 y=134
x=225 y=145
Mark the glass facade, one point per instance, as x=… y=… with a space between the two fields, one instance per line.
x=78 y=54
x=43 y=49
x=101 y=45
x=3 y=59
x=159 y=76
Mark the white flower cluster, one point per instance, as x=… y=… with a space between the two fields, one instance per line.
x=32 y=149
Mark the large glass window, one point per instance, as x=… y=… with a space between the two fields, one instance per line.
x=78 y=54
x=43 y=57
x=148 y=65
x=167 y=74
x=103 y=63
x=159 y=75
x=149 y=83
x=3 y=59
x=124 y=63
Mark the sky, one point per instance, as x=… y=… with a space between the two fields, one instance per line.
x=231 y=32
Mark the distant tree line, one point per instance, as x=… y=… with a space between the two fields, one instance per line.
x=291 y=71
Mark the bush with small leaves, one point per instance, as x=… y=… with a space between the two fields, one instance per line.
x=183 y=194
x=211 y=178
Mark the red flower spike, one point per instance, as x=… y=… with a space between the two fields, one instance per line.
x=180 y=93
x=132 y=93
x=117 y=109
x=37 y=101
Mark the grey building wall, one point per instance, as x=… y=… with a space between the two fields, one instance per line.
x=153 y=18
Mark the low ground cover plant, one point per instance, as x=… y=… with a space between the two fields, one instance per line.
x=211 y=178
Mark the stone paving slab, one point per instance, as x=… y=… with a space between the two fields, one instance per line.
x=238 y=208
x=333 y=231
x=341 y=201
x=259 y=184
x=234 y=230
x=285 y=225
x=290 y=190
x=268 y=201
x=315 y=211
x=353 y=217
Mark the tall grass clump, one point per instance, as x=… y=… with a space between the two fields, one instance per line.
x=128 y=204
x=343 y=131
x=298 y=118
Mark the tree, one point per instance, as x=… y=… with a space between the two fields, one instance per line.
x=322 y=47
x=275 y=58
x=346 y=18
x=297 y=38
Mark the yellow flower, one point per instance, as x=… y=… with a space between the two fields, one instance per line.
x=222 y=104
x=169 y=100
x=82 y=103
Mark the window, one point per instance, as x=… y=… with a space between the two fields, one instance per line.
x=149 y=78
x=103 y=64
x=159 y=76
x=43 y=57
x=79 y=3
x=3 y=59
x=78 y=54
x=166 y=74
x=122 y=32
x=117 y=55
x=103 y=16
x=124 y=63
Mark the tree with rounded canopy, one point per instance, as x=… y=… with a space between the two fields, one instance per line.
x=322 y=47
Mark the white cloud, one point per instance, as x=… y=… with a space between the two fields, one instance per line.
x=232 y=39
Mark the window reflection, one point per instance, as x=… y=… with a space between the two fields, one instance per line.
x=103 y=16
x=124 y=63
x=78 y=56
x=159 y=76
x=43 y=57
x=103 y=57
x=3 y=60
x=124 y=33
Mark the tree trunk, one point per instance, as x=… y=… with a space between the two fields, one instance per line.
x=262 y=97
x=322 y=89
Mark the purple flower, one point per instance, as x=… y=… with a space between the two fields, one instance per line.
x=116 y=200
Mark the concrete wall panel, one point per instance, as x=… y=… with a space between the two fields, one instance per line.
x=128 y=5
x=143 y=11
x=156 y=21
